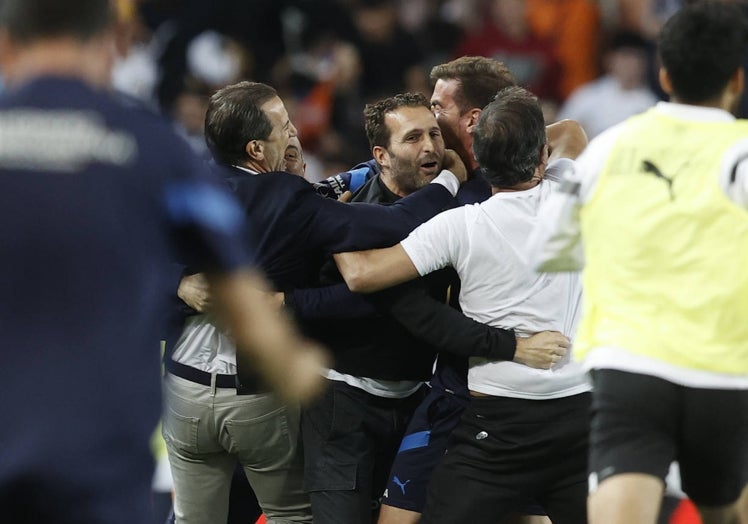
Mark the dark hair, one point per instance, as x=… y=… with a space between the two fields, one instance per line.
x=28 y=20
x=479 y=79
x=701 y=47
x=625 y=39
x=376 y=130
x=234 y=118
x=509 y=137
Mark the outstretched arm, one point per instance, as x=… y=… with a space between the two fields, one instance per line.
x=375 y=269
x=432 y=245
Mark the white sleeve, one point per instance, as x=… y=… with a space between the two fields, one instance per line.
x=436 y=244
x=557 y=168
x=447 y=179
x=734 y=173
x=555 y=244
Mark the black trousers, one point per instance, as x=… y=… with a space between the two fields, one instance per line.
x=350 y=440
x=507 y=452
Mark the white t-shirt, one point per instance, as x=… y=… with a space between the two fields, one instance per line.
x=485 y=243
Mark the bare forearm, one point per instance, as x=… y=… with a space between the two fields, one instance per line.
x=368 y=271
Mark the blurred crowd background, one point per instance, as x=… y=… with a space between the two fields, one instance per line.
x=588 y=60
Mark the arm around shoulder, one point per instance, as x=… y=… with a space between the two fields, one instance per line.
x=369 y=271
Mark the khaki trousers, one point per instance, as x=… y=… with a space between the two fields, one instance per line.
x=208 y=430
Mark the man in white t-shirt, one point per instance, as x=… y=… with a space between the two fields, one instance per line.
x=524 y=436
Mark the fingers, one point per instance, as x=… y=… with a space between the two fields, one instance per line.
x=450 y=157
x=198 y=305
x=197 y=300
x=195 y=292
x=542 y=350
x=549 y=340
x=275 y=300
x=558 y=354
x=553 y=357
x=554 y=337
x=345 y=197
x=452 y=162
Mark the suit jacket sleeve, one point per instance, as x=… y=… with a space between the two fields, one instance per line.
x=335 y=301
x=342 y=227
x=442 y=326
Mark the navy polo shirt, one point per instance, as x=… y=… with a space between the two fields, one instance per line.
x=97 y=200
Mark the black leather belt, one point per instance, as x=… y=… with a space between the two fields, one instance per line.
x=198 y=376
x=249 y=384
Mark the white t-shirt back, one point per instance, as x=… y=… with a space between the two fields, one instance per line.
x=485 y=243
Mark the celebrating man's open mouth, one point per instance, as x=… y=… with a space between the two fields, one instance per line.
x=431 y=167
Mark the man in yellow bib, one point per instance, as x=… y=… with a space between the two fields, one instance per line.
x=661 y=203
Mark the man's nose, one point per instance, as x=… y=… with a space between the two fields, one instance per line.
x=292 y=131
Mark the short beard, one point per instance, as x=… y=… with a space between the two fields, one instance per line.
x=408 y=181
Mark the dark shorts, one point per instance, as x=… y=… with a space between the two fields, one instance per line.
x=507 y=452
x=422 y=449
x=642 y=423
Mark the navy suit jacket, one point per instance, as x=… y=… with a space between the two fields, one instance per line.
x=293 y=228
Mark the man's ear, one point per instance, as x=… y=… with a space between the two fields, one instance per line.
x=255 y=150
x=544 y=154
x=540 y=170
x=381 y=155
x=737 y=82
x=665 y=82
x=473 y=115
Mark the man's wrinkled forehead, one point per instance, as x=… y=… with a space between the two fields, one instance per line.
x=275 y=107
x=405 y=120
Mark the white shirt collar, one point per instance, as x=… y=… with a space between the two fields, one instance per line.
x=689 y=112
x=250 y=171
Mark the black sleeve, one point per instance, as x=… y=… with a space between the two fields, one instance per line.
x=328 y=302
x=442 y=326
